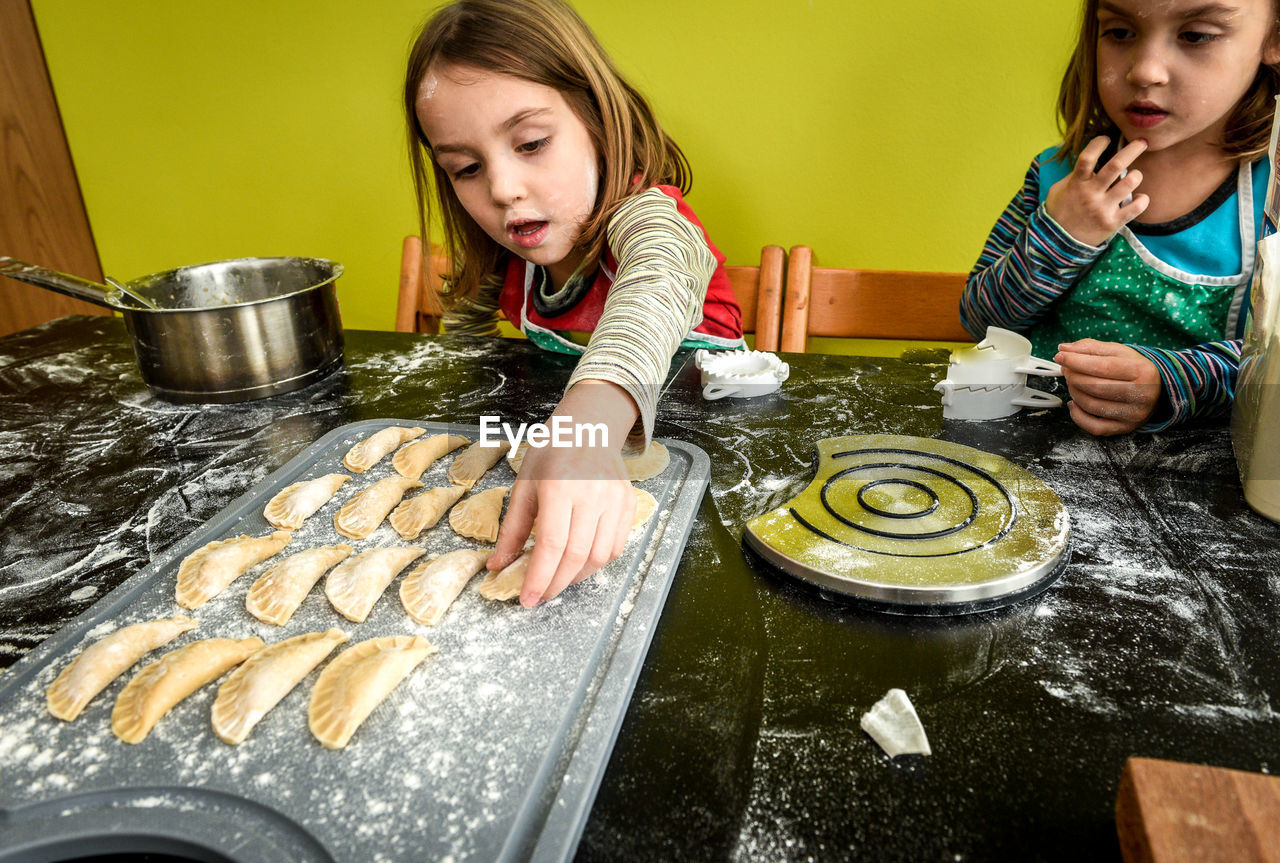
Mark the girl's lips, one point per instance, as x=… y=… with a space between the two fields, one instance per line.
x=527 y=235
x=1145 y=117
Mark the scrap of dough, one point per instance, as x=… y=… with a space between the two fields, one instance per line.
x=355 y=585
x=277 y=594
x=412 y=460
x=640 y=465
x=361 y=515
x=646 y=506
x=207 y=571
x=505 y=584
x=371 y=450
x=415 y=515
x=357 y=681
x=472 y=462
x=265 y=678
x=893 y=723
x=647 y=464
x=427 y=592
x=154 y=690
x=294 y=503
x=478 y=516
x=105 y=660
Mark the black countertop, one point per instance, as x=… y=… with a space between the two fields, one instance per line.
x=742 y=740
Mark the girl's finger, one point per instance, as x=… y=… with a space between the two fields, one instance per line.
x=522 y=508
x=1087 y=162
x=602 y=551
x=554 y=516
x=1135 y=208
x=1111 y=390
x=1097 y=425
x=1120 y=162
x=1109 y=407
x=573 y=560
x=1107 y=366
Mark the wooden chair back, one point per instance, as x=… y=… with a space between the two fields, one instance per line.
x=418 y=308
x=868 y=304
x=759 y=294
x=757 y=289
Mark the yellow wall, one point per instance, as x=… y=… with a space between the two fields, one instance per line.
x=882 y=134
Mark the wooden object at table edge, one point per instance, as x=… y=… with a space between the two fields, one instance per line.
x=868 y=304
x=42 y=214
x=1170 y=812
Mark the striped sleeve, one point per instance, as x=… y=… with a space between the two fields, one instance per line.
x=1198 y=382
x=478 y=315
x=1027 y=263
x=664 y=267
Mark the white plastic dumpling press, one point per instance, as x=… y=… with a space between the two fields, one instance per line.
x=739 y=374
x=989 y=380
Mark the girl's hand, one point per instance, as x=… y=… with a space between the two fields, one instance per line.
x=581 y=497
x=1088 y=202
x=1114 y=389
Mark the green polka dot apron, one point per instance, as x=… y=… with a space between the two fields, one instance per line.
x=1133 y=297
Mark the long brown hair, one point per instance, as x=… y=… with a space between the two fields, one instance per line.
x=545 y=42
x=1081 y=117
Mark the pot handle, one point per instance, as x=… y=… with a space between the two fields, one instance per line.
x=73 y=286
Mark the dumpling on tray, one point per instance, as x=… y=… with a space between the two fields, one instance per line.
x=208 y=570
x=357 y=681
x=355 y=585
x=427 y=592
x=293 y=504
x=418 y=513
x=413 y=459
x=505 y=584
x=472 y=463
x=265 y=678
x=155 y=690
x=371 y=450
x=277 y=594
x=361 y=515
x=478 y=516
x=105 y=660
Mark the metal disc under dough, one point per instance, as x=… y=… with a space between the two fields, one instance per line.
x=918 y=526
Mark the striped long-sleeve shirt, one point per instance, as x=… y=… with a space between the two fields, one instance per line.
x=1029 y=261
x=656 y=299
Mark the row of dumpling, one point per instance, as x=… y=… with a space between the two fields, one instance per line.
x=354 y=582
x=360 y=516
x=345 y=693
x=357 y=581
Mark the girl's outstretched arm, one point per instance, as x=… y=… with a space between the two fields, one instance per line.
x=580 y=496
x=664 y=266
x=1028 y=261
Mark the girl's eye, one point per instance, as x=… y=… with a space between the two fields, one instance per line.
x=1116 y=33
x=1197 y=37
x=467 y=171
x=533 y=146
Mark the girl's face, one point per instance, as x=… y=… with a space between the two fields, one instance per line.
x=1171 y=71
x=520 y=161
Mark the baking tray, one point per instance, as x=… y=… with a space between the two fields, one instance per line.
x=491 y=750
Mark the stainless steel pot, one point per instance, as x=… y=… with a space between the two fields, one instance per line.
x=229 y=331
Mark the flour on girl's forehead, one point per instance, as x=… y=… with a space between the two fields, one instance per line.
x=429 y=85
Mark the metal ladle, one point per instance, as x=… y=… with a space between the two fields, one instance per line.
x=121 y=288
x=74 y=286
